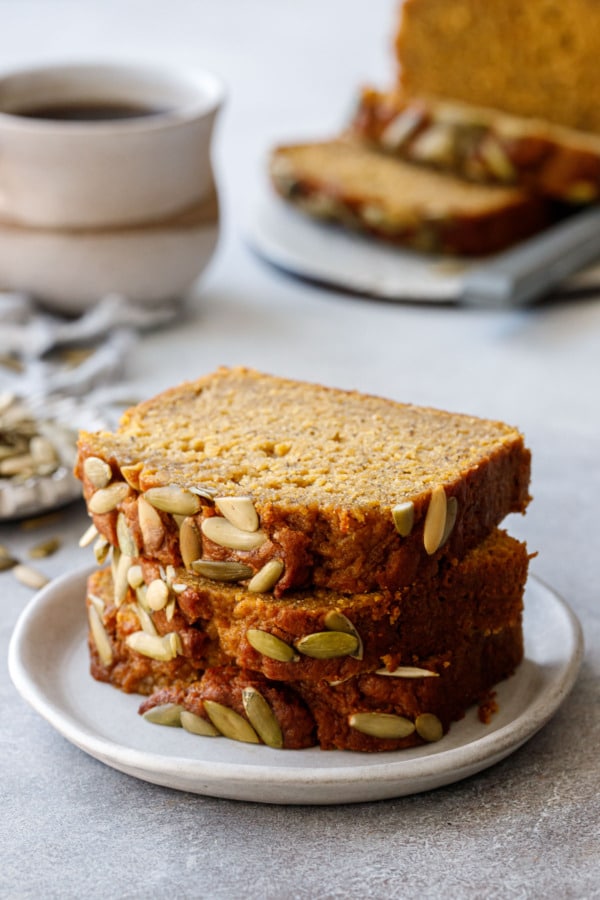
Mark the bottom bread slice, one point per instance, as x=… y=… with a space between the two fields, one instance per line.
x=185 y=671
x=371 y=713
x=344 y=182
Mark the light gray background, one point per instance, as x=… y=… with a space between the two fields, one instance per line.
x=70 y=827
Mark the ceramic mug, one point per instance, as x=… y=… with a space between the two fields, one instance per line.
x=99 y=162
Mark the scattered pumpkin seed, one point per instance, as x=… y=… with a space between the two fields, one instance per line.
x=269 y=645
x=173 y=499
x=135 y=576
x=101 y=548
x=337 y=621
x=127 y=543
x=222 y=532
x=327 y=644
x=7 y=562
x=151 y=526
x=190 y=542
x=44 y=548
x=100 y=636
x=239 y=511
x=88 y=536
x=165 y=714
x=157 y=595
x=120 y=583
x=29 y=577
x=108 y=498
x=197 y=725
x=435 y=520
x=403 y=515
x=202 y=490
x=98 y=602
x=267 y=577
x=144 y=618
x=153 y=646
x=429 y=727
x=451 y=512
x=381 y=725
x=97 y=472
x=262 y=718
x=408 y=672
x=230 y=724
x=222 y=571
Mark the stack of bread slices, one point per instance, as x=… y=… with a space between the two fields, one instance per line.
x=295 y=565
x=490 y=132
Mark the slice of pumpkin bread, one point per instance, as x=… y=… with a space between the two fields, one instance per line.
x=346 y=182
x=280 y=485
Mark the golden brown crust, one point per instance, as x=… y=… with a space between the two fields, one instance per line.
x=345 y=182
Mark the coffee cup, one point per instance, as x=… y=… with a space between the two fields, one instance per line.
x=106 y=180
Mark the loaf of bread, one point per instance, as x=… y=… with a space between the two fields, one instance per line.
x=481 y=144
x=345 y=182
x=373 y=711
x=537 y=59
x=279 y=485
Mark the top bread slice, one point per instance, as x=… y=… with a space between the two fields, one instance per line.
x=481 y=144
x=346 y=182
x=536 y=59
x=305 y=484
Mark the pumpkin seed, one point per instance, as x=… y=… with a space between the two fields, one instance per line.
x=429 y=727
x=135 y=577
x=125 y=538
x=435 y=520
x=173 y=499
x=165 y=714
x=170 y=610
x=403 y=515
x=152 y=646
x=88 y=536
x=45 y=548
x=229 y=723
x=190 y=543
x=222 y=532
x=239 y=511
x=381 y=725
x=120 y=583
x=262 y=718
x=140 y=594
x=222 y=571
x=451 y=511
x=267 y=577
x=101 y=548
x=97 y=472
x=327 y=644
x=131 y=474
x=337 y=621
x=29 y=577
x=108 y=498
x=100 y=636
x=408 y=672
x=270 y=646
x=197 y=725
x=7 y=562
x=202 y=490
x=144 y=618
x=151 y=526
x=98 y=602
x=157 y=595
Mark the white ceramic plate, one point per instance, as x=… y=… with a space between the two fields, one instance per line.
x=337 y=258
x=48 y=663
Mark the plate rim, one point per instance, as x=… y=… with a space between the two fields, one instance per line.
x=455 y=763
